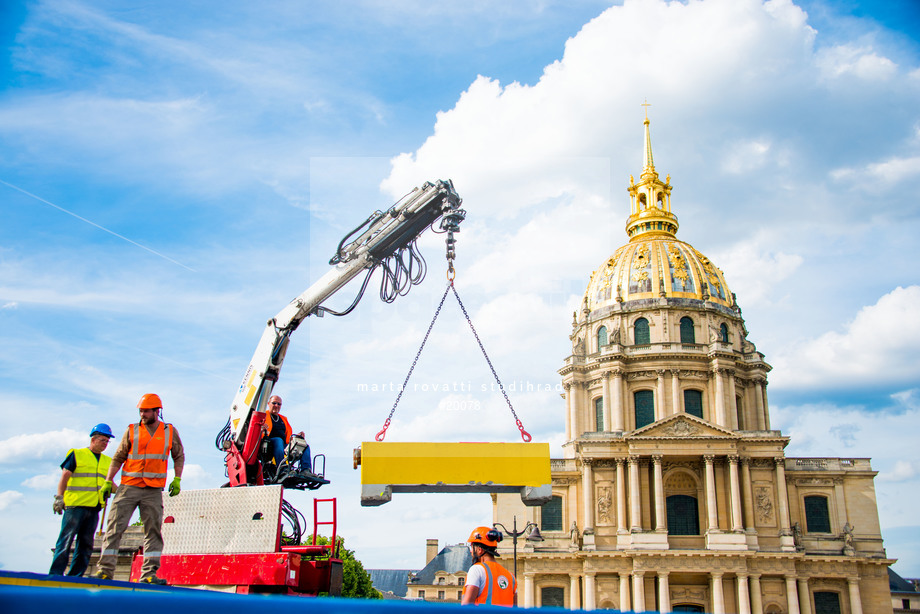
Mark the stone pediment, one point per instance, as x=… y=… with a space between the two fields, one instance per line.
x=681 y=426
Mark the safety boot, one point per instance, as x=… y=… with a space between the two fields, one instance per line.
x=153 y=580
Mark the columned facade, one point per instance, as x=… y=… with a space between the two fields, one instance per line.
x=678 y=493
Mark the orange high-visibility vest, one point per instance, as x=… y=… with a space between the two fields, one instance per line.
x=500 y=586
x=146 y=463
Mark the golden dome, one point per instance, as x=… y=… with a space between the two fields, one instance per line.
x=657 y=267
x=655 y=264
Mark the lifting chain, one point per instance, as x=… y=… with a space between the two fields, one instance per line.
x=386 y=424
x=450 y=287
x=451 y=223
x=524 y=434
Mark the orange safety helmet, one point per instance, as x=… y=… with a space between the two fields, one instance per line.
x=150 y=401
x=486 y=537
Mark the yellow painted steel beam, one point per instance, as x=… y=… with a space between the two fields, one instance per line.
x=388 y=467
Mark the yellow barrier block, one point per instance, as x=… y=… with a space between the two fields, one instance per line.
x=388 y=467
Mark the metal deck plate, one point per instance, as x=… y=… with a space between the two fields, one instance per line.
x=221 y=520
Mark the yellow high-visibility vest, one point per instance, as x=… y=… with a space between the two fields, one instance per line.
x=88 y=477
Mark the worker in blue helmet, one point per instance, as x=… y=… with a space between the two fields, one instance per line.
x=79 y=500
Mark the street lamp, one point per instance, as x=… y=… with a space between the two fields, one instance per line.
x=533 y=536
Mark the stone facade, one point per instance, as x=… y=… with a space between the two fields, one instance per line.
x=673 y=489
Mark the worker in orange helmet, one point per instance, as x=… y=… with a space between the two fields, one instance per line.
x=143 y=451
x=488 y=582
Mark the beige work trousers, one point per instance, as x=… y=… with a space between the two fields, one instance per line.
x=121 y=507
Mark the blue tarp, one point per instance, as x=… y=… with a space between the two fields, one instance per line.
x=41 y=599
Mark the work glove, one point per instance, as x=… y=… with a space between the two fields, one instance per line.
x=174 y=487
x=58 y=505
x=106 y=490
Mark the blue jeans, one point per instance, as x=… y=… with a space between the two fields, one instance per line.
x=276 y=447
x=78 y=523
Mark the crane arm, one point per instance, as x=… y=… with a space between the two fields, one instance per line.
x=380 y=236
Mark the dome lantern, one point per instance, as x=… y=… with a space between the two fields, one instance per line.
x=650 y=200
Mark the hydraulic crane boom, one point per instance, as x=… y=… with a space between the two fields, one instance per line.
x=382 y=235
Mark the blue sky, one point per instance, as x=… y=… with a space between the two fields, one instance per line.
x=171 y=176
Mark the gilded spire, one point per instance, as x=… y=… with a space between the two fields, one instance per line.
x=648 y=167
x=650 y=198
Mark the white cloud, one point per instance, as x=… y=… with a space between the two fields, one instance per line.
x=903 y=470
x=746 y=156
x=895 y=169
x=8 y=498
x=517 y=323
x=550 y=247
x=195 y=476
x=45 y=481
x=23 y=448
x=861 y=62
x=879 y=347
x=754 y=272
x=10 y=305
x=891 y=171
x=514 y=146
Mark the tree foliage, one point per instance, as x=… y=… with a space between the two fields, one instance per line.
x=356 y=582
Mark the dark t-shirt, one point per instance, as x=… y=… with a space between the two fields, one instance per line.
x=277 y=426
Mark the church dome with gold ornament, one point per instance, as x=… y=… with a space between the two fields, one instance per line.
x=654 y=263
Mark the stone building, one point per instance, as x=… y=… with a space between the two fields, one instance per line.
x=905 y=593
x=674 y=493
x=391 y=583
x=444 y=575
x=441 y=580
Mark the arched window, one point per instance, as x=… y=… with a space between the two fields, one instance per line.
x=723 y=333
x=601 y=337
x=688 y=608
x=551 y=515
x=687 y=334
x=552 y=596
x=693 y=403
x=641 y=334
x=827 y=602
x=645 y=407
x=683 y=515
x=599 y=414
x=817 y=518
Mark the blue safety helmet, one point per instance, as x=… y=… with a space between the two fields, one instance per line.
x=101 y=429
